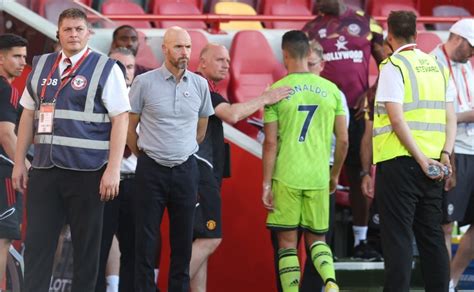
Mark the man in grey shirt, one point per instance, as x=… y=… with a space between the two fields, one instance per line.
x=172 y=105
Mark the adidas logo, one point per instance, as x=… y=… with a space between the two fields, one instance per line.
x=295 y=283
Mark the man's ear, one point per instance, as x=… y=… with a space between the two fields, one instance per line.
x=202 y=62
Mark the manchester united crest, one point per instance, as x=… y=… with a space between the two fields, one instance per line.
x=79 y=82
x=211 y=225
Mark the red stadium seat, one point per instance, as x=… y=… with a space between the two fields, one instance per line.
x=198 y=41
x=266 y=5
x=51 y=9
x=342 y=199
x=113 y=7
x=374 y=7
x=427 y=41
x=387 y=8
x=154 y=4
x=253 y=67
x=172 y=8
x=448 y=10
x=288 y=9
x=145 y=56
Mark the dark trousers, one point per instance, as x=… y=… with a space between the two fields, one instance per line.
x=119 y=219
x=311 y=280
x=410 y=203
x=54 y=195
x=160 y=187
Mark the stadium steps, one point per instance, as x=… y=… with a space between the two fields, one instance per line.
x=358 y=276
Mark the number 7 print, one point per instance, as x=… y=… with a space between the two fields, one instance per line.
x=311 y=109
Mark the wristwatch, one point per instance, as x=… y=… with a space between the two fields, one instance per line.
x=363 y=173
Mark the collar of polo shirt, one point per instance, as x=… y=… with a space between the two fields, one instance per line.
x=168 y=75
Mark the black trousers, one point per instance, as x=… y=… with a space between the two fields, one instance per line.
x=160 y=187
x=311 y=280
x=410 y=203
x=53 y=195
x=119 y=219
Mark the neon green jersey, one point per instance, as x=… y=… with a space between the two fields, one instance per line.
x=305 y=127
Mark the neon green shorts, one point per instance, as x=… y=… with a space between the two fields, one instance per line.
x=293 y=208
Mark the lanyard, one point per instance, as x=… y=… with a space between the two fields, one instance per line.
x=66 y=79
x=463 y=71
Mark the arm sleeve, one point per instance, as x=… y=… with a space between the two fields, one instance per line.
x=115 y=94
x=137 y=98
x=451 y=91
x=206 y=109
x=390 y=87
x=270 y=113
x=217 y=99
x=8 y=113
x=27 y=101
x=340 y=109
x=346 y=108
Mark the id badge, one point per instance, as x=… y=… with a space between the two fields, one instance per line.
x=45 y=122
x=470 y=129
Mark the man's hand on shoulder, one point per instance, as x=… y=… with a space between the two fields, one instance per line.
x=272 y=96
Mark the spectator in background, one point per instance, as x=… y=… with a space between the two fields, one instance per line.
x=458 y=204
x=172 y=105
x=12 y=63
x=296 y=152
x=126 y=57
x=127 y=36
x=214 y=63
x=116 y=268
x=349 y=38
x=78 y=150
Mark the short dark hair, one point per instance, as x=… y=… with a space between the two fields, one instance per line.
x=72 y=13
x=402 y=24
x=10 y=40
x=296 y=43
x=125 y=26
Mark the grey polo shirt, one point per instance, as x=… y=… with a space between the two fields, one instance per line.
x=169 y=113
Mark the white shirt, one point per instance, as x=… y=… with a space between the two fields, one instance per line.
x=391 y=88
x=114 y=95
x=464 y=143
x=129 y=164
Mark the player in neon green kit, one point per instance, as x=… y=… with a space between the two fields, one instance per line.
x=296 y=151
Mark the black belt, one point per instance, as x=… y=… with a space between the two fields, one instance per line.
x=127 y=176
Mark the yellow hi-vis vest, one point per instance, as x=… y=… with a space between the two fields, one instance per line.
x=424 y=107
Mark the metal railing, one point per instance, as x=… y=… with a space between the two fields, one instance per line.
x=214 y=20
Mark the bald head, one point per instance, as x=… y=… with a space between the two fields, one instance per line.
x=214 y=62
x=176 y=47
